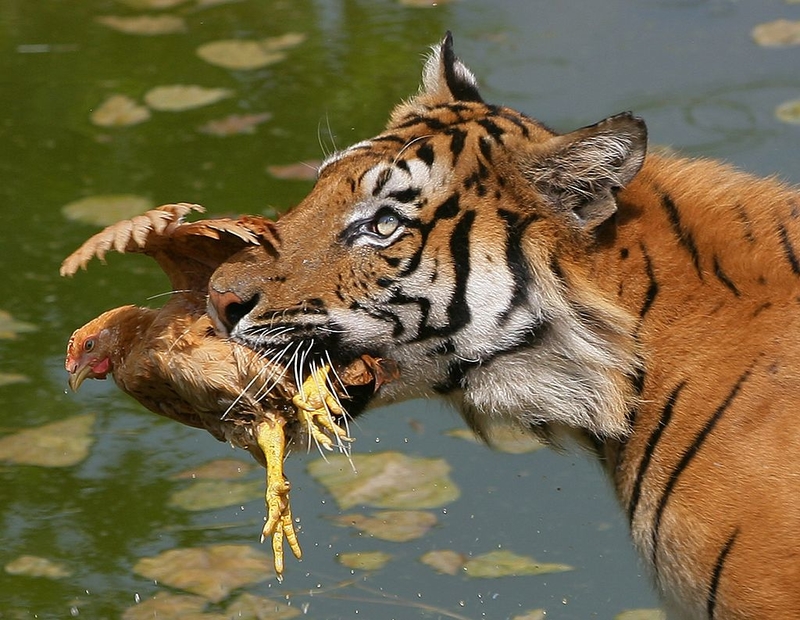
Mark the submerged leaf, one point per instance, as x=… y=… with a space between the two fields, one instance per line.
x=504 y=438
x=364 y=560
x=386 y=480
x=284 y=41
x=250 y=607
x=239 y=54
x=167 y=605
x=180 y=97
x=218 y=469
x=505 y=563
x=234 y=124
x=210 y=494
x=642 y=614
x=392 y=525
x=789 y=112
x=147 y=25
x=444 y=561
x=779 y=33
x=152 y=4
x=301 y=171
x=58 y=444
x=10 y=378
x=35 y=566
x=534 y=614
x=212 y=572
x=119 y=111
x=106 y=209
x=10 y=327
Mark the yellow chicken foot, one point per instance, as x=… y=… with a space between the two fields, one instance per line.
x=316 y=406
x=272 y=441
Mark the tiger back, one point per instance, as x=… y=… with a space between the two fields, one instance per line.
x=646 y=306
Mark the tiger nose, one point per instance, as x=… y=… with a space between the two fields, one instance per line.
x=226 y=309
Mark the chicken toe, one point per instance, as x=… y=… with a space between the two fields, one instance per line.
x=316 y=405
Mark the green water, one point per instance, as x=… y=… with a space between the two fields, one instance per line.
x=689 y=67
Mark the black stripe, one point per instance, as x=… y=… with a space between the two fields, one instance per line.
x=382 y=315
x=492 y=128
x=461 y=89
x=517 y=119
x=516 y=260
x=713 y=587
x=383 y=178
x=485 y=146
x=652 y=289
x=457 y=140
x=408 y=195
x=448 y=209
x=426 y=154
x=650 y=447
x=788 y=249
x=723 y=277
x=458 y=312
x=685 y=238
x=690 y=453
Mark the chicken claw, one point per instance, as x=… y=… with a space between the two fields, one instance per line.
x=316 y=406
x=272 y=441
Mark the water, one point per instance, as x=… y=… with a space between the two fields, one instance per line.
x=689 y=67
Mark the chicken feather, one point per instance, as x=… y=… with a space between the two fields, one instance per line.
x=172 y=362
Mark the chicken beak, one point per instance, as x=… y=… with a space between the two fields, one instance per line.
x=78 y=377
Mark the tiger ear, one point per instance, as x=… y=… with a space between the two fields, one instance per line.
x=445 y=79
x=581 y=172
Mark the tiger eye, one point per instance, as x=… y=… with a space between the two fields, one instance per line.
x=386 y=224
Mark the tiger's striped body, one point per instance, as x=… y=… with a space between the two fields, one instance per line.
x=649 y=307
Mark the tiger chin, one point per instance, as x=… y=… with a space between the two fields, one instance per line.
x=574 y=285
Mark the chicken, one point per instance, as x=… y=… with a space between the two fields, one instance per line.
x=172 y=362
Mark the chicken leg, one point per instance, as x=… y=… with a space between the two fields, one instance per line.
x=316 y=405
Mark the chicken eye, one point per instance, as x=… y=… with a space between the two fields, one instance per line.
x=88 y=345
x=386 y=224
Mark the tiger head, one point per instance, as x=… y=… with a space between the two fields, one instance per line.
x=454 y=243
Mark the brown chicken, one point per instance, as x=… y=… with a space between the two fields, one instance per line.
x=171 y=361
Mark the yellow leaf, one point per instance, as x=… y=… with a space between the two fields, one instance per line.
x=386 y=480
x=239 y=54
x=167 y=605
x=789 y=112
x=35 y=566
x=179 y=97
x=392 y=525
x=106 y=209
x=212 y=572
x=641 y=614
x=234 y=124
x=147 y=25
x=370 y=560
x=10 y=327
x=210 y=494
x=218 y=469
x=779 y=33
x=505 y=564
x=119 y=111
x=59 y=444
x=444 y=561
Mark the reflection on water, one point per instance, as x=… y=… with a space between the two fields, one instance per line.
x=691 y=68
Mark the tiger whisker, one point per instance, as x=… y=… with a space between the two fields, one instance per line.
x=408 y=145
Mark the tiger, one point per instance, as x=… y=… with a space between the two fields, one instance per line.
x=642 y=305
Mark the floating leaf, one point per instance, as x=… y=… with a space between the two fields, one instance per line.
x=234 y=124
x=59 y=444
x=10 y=327
x=392 y=525
x=9 y=378
x=505 y=563
x=212 y=572
x=218 y=469
x=242 y=54
x=167 y=605
x=152 y=4
x=780 y=33
x=239 y=54
x=119 y=111
x=106 y=209
x=179 y=97
x=423 y=4
x=534 y=614
x=642 y=614
x=301 y=171
x=367 y=560
x=386 y=480
x=147 y=25
x=210 y=494
x=444 y=561
x=789 y=112
x=250 y=607
x=504 y=438
x=35 y=566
